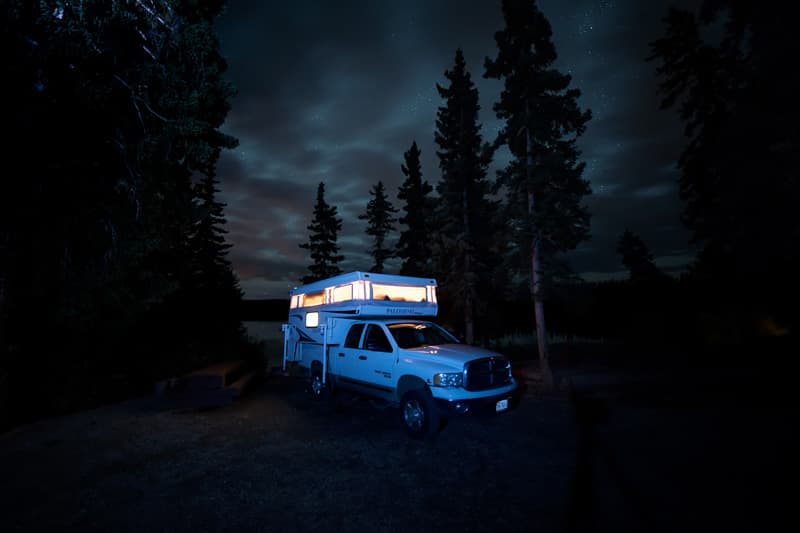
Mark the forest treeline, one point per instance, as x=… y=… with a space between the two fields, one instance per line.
x=496 y=244
x=486 y=239
x=113 y=268
x=113 y=258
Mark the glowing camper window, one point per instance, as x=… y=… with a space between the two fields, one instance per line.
x=342 y=293
x=295 y=302
x=360 y=289
x=312 y=319
x=314 y=298
x=431 y=290
x=398 y=293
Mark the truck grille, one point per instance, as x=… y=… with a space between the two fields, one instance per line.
x=488 y=373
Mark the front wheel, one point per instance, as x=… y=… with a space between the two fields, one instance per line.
x=419 y=414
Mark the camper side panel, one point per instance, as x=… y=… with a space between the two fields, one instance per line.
x=310 y=352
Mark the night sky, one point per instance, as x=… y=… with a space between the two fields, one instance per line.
x=337 y=91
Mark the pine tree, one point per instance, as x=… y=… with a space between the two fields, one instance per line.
x=95 y=235
x=145 y=82
x=723 y=68
x=380 y=222
x=216 y=294
x=464 y=212
x=208 y=240
x=324 y=230
x=637 y=258
x=543 y=183
x=414 y=245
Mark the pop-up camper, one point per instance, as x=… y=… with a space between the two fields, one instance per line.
x=370 y=333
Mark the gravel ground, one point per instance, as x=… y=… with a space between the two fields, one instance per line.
x=600 y=460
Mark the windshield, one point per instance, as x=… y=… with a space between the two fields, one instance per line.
x=415 y=335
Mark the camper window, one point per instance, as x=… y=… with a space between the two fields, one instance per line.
x=342 y=293
x=398 y=293
x=314 y=298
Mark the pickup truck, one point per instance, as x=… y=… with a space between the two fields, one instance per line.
x=385 y=348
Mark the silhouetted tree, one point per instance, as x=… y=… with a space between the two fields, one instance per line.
x=216 y=294
x=414 y=245
x=146 y=86
x=114 y=107
x=464 y=229
x=724 y=69
x=324 y=230
x=380 y=222
x=543 y=183
x=208 y=240
x=637 y=258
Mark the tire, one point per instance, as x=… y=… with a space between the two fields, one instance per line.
x=324 y=395
x=319 y=391
x=419 y=414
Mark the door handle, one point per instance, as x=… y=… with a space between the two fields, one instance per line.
x=362 y=357
x=341 y=354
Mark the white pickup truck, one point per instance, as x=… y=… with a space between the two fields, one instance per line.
x=369 y=333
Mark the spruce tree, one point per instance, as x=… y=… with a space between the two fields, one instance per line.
x=723 y=69
x=543 y=183
x=208 y=240
x=216 y=294
x=111 y=208
x=414 y=244
x=380 y=222
x=324 y=230
x=464 y=211
x=637 y=258
x=95 y=236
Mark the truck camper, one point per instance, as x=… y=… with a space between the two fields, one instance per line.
x=373 y=334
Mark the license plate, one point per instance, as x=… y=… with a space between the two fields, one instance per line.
x=502 y=405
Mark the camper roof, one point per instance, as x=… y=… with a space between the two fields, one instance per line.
x=366 y=292
x=367 y=276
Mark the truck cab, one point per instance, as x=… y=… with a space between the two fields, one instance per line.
x=374 y=338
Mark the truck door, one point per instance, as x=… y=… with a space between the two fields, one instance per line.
x=377 y=358
x=366 y=358
x=344 y=358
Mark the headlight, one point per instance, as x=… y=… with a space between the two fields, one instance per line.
x=451 y=379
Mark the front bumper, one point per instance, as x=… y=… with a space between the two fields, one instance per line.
x=483 y=404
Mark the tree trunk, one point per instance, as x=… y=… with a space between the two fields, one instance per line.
x=469 y=326
x=538 y=308
x=536 y=278
x=4 y=255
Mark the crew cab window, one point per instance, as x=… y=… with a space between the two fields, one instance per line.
x=353 y=336
x=375 y=339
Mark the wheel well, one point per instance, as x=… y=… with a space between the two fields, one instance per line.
x=407 y=383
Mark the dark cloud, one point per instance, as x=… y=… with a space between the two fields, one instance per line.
x=337 y=91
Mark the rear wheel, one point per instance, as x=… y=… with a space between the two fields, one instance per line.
x=316 y=387
x=419 y=414
x=322 y=393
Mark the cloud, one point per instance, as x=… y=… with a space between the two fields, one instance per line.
x=337 y=91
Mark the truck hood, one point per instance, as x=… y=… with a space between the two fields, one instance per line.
x=453 y=353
